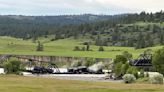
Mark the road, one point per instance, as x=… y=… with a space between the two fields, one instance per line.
x=82 y=77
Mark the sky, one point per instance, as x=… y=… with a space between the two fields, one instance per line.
x=70 y=7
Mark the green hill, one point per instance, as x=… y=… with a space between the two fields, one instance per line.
x=63 y=47
x=60 y=34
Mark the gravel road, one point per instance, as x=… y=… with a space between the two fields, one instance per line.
x=82 y=77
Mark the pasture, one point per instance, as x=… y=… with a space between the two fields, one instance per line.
x=63 y=47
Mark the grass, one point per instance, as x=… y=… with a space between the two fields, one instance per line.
x=63 y=47
x=13 y=83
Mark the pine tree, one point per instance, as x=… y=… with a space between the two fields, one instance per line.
x=88 y=47
x=140 y=41
x=39 y=47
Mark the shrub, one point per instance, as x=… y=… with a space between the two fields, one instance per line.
x=120 y=58
x=135 y=72
x=86 y=43
x=143 y=80
x=83 y=49
x=132 y=70
x=147 y=74
x=117 y=70
x=141 y=73
x=156 y=79
x=89 y=62
x=127 y=55
x=52 y=39
x=124 y=68
x=129 y=78
x=76 y=48
x=101 y=48
x=12 y=66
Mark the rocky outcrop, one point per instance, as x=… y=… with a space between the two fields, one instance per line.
x=54 y=58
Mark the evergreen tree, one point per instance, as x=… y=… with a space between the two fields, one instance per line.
x=140 y=41
x=39 y=47
x=88 y=47
x=161 y=37
x=149 y=41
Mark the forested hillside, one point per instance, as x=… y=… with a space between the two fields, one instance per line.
x=132 y=30
x=35 y=26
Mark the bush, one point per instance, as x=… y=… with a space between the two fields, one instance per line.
x=76 y=48
x=156 y=79
x=133 y=70
x=127 y=55
x=143 y=80
x=130 y=70
x=141 y=73
x=120 y=58
x=117 y=70
x=86 y=43
x=129 y=78
x=12 y=66
x=101 y=48
x=124 y=68
x=89 y=62
x=83 y=49
x=147 y=74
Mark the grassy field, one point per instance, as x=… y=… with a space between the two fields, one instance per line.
x=63 y=47
x=13 y=83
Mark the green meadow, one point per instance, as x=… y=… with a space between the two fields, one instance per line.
x=63 y=47
x=13 y=83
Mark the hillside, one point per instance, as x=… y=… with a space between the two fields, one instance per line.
x=34 y=26
x=63 y=47
x=127 y=30
x=56 y=20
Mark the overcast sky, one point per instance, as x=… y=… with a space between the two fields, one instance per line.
x=62 y=7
